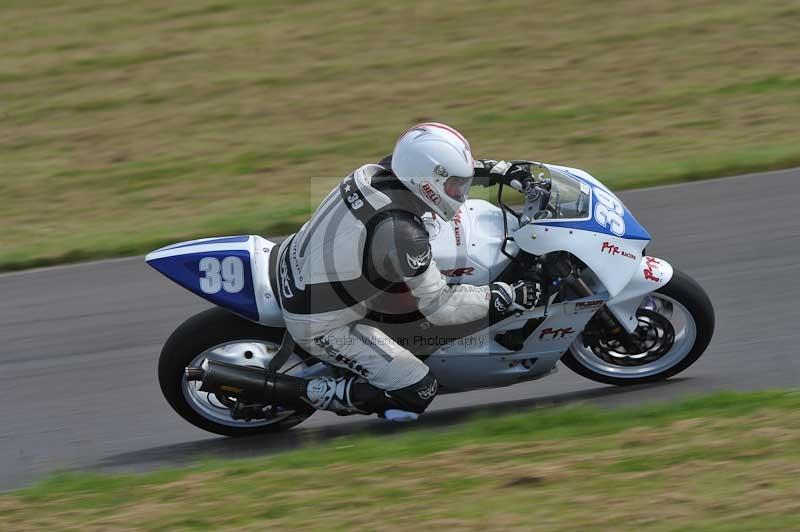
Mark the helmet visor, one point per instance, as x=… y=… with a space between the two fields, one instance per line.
x=457 y=187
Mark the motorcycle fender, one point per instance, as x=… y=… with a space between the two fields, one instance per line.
x=651 y=274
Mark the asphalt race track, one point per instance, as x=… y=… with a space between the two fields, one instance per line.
x=80 y=343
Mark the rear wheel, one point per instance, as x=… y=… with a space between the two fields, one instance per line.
x=219 y=335
x=676 y=324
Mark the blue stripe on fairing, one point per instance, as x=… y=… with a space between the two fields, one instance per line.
x=185 y=271
x=633 y=229
x=221 y=240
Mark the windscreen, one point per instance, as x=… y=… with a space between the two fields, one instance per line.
x=569 y=198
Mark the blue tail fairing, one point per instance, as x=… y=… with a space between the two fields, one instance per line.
x=218 y=270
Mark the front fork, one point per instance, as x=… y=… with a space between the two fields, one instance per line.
x=605 y=319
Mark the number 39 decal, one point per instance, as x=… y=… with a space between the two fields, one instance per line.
x=608 y=212
x=355 y=201
x=227 y=275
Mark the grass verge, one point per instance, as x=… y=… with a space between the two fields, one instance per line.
x=125 y=125
x=722 y=462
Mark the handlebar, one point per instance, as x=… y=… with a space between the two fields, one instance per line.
x=535 y=187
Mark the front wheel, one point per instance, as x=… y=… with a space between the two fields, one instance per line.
x=221 y=336
x=676 y=323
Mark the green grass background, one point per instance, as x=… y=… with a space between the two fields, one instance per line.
x=127 y=125
x=723 y=462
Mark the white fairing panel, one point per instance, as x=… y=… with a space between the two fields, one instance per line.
x=468 y=248
x=269 y=309
x=650 y=275
x=614 y=260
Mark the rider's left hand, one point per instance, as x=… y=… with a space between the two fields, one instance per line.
x=506 y=298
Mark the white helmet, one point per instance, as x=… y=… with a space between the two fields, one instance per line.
x=434 y=161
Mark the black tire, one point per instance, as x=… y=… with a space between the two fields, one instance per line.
x=691 y=295
x=203 y=331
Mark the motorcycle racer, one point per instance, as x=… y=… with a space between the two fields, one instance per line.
x=367 y=237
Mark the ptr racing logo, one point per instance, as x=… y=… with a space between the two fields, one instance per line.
x=429 y=192
x=611 y=249
x=457 y=227
x=649 y=274
x=555 y=334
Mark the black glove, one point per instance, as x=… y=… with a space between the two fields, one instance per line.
x=491 y=172
x=506 y=298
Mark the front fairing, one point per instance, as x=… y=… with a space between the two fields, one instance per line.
x=605 y=236
x=599 y=217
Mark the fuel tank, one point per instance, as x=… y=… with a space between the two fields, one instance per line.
x=468 y=248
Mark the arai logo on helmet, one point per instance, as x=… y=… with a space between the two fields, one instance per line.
x=429 y=192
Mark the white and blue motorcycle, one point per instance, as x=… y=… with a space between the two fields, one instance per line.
x=613 y=314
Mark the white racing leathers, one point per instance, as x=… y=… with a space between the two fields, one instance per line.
x=367 y=237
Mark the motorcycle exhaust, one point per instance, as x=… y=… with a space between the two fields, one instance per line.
x=249 y=384
x=229 y=379
x=194 y=374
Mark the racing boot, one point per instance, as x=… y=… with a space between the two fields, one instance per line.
x=328 y=393
x=353 y=395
